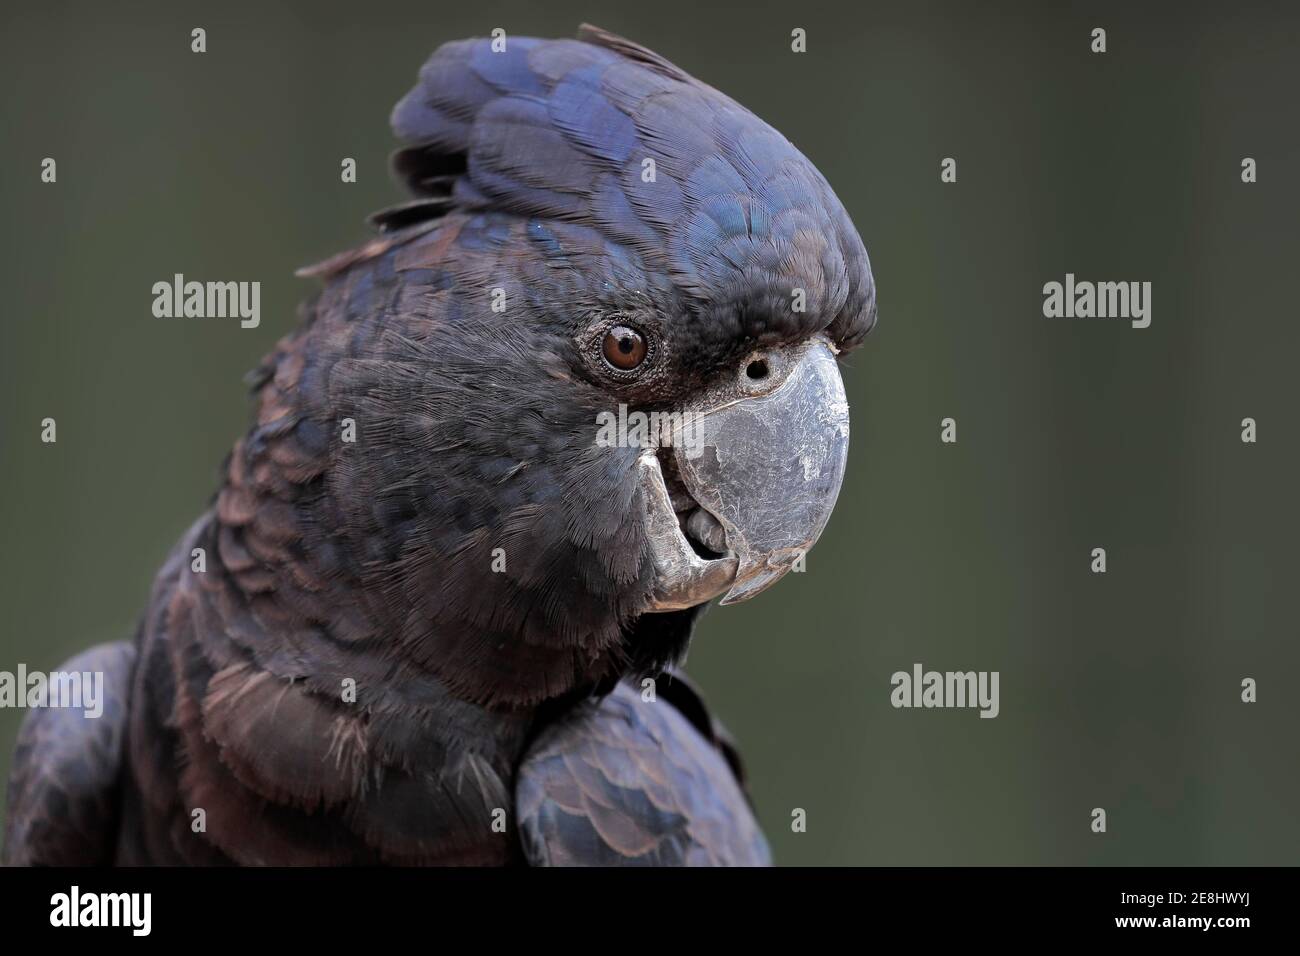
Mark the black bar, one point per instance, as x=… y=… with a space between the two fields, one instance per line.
x=257 y=906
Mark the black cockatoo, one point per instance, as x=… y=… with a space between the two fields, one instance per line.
x=413 y=626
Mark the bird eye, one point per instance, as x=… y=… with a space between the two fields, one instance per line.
x=624 y=348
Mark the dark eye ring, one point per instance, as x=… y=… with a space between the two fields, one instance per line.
x=624 y=348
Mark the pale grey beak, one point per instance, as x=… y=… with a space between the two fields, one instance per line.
x=760 y=458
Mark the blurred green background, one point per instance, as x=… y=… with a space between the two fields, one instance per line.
x=1119 y=691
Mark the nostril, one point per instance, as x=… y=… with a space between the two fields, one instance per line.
x=757 y=369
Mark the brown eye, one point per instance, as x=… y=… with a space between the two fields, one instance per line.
x=624 y=348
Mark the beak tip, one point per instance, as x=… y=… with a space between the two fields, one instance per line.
x=748 y=585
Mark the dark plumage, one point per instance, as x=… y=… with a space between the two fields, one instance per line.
x=372 y=562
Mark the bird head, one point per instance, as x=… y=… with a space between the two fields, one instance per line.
x=593 y=365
